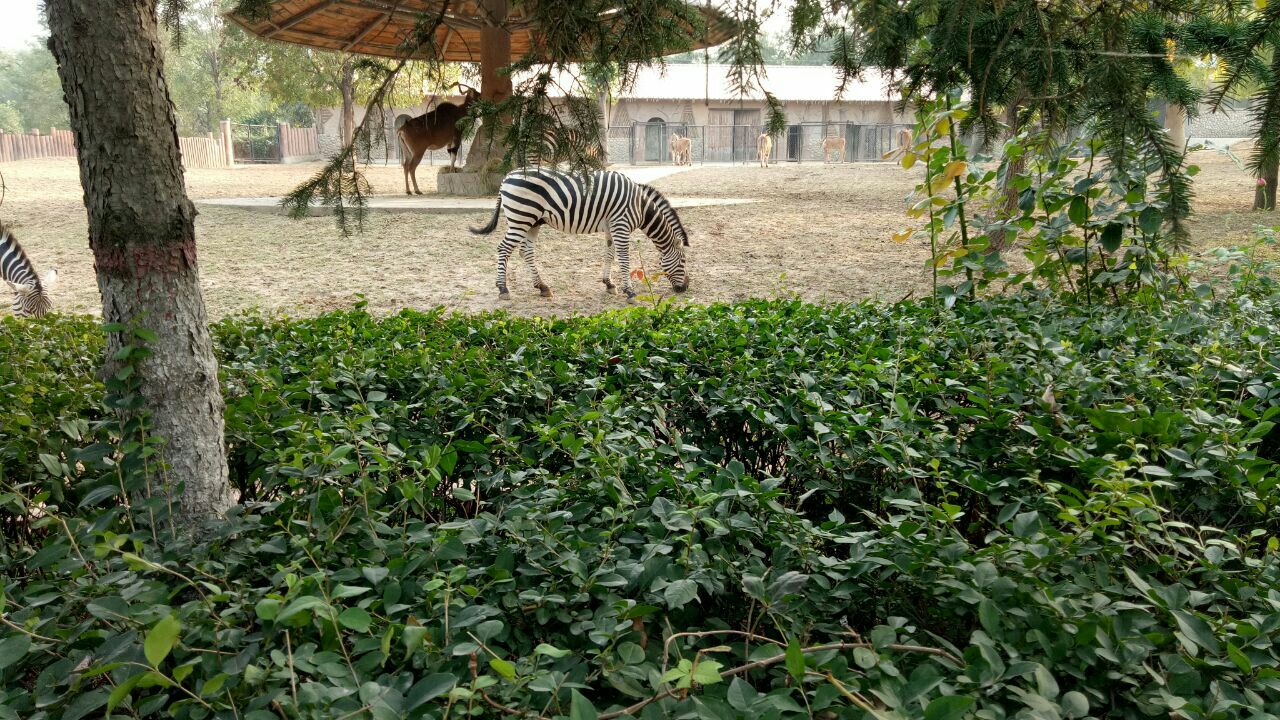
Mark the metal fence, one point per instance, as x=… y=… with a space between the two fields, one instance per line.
x=256 y=143
x=649 y=143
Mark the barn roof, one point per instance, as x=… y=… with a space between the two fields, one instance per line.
x=788 y=83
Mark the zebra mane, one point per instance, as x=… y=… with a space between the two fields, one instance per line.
x=14 y=260
x=664 y=206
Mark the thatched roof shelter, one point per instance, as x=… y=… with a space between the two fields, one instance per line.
x=379 y=27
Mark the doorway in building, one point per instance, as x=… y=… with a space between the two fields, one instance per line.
x=655 y=140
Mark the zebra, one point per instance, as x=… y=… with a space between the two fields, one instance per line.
x=563 y=144
x=609 y=202
x=30 y=292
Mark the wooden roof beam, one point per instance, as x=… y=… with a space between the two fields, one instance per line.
x=290 y=22
x=364 y=31
x=449 y=18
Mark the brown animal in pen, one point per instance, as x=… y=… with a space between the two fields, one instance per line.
x=435 y=130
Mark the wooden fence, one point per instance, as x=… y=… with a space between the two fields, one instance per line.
x=296 y=145
x=202 y=152
x=28 y=146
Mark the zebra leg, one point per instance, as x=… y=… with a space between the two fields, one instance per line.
x=514 y=238
x=526 y=249
x=622 y=245
x=607 y=278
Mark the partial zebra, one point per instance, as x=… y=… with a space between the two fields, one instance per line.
x=610 y=203
x=566 y=144
x=30 y=292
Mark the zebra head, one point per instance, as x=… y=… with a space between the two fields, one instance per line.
x=32 y=299
x=663 y=226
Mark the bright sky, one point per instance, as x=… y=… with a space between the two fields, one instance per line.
x=19 y=23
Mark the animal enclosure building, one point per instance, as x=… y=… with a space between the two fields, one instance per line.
x=698 y=102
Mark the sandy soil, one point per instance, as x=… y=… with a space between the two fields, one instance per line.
x=822 y=233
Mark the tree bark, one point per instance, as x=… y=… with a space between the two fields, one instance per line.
x=142 y=233
x=602 y=96
x=495 y=52
x=1264 y=198
x=1175 y=122
x=348 y=88
x=1002 y=240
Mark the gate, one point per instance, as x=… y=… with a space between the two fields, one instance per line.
x=256 y=143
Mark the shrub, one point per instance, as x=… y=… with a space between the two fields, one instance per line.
x=1012 y=508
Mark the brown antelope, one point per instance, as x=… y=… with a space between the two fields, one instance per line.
x=432 y=131
x=764 y=148
x=833 y=147
x=679 y=149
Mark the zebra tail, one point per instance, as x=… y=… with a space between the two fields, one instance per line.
x=493 y=222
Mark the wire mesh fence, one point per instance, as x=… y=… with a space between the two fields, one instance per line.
x=651 y=143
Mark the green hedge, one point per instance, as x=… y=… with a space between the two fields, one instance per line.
x=1011 y=509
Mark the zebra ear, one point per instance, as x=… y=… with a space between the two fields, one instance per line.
x=19 y=288
x=50 y=278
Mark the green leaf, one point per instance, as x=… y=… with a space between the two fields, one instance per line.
x=346 y=591
x=741 y=695
x=427 y=689
x=503 y=667
x=267 y=608
x=707 y=672
x=950 y=707
x=213 y=685
x=412 y=637
x=302 y=604
x=1079 y=210
x=581 y=708
x=1240 y=659
x=1075 y=704
x=122 y=691
x=1196 y=630
x=1150 y=220
x=355 y=619
x=550 y=651
x=160 y=640
x=795 y=659
x=12 y=649
x=1112 y=236
x=680 y=592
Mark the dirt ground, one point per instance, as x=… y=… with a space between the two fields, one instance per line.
x=822 y=233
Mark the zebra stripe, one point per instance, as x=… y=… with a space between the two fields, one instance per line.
x=609 y=202
x=29 y=293
x=565 y=144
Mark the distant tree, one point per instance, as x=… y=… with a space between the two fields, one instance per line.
x=29 y=83
x=209 y=66
x=10 y=118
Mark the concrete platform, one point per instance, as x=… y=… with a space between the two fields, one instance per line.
x=434 y=204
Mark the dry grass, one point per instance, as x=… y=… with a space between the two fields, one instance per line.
x=821 y=233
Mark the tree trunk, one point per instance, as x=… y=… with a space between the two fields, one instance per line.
x=1264 y=198
x=1175 y=122
x=348 y=88
x=142 y=233
x=1002 y=240
x=495 y=52
x=602 y=97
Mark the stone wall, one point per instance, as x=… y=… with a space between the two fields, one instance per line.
x=1229 y=122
